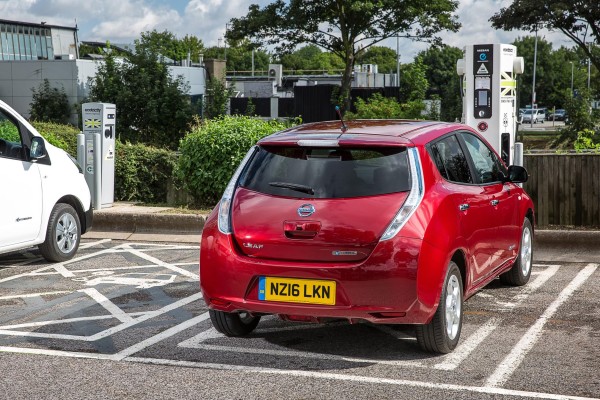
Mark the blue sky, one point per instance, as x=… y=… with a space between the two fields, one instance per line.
x=121 y=21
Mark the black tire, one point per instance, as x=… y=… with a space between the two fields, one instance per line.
x=62 y=234
x=233 y=324
x=441 y=335
x=520 y=272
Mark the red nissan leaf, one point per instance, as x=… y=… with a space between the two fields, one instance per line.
x=387 y=221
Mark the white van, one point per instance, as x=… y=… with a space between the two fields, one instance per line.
x=44 y=199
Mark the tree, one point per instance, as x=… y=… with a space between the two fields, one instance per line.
x=414 y=76
x=543 y=81
x=443 y=79
x=217 y=98
x=168 y=45
x=344 y=27
x=310 y=59
x=384 y=57
x=152 y=106
x=239 y=56
x=573 y=18
x=50 y=104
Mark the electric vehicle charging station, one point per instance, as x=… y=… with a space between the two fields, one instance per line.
x=96 y=152
x=490 y=95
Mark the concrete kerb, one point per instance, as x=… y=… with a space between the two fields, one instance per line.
x=553 y=237
x=148 y=223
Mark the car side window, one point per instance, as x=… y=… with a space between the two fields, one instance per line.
x=488 y=167
x=10 y=138
x=451 y=162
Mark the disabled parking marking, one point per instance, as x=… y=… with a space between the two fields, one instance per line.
x=21 y=296
x=518 y=353
x=126 y=320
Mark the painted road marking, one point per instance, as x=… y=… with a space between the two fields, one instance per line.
x=126 y=320
x=453 y=360
x=518 y=353
x=356 y=378
x=20 y=296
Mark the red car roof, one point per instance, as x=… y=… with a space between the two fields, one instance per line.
x=373 y=132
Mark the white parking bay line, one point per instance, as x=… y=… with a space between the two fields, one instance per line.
x=453 y=360
x=357 y=378
x=22 y=296
x=157 y=261
x=518 y=353
x=107 y=304
x=161 y=336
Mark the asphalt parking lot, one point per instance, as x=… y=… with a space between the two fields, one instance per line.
x=126 y=319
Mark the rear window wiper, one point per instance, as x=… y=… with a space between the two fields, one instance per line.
x=294 y=186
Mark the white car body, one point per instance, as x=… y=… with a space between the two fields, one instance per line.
x=32 y=187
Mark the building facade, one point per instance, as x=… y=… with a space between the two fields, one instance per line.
x=29 y=41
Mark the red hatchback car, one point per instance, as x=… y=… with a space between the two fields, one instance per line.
x=389 y=221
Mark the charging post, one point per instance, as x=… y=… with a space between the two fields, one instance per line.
x=96 y=152
x=490 y=94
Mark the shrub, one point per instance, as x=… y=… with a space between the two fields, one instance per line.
x=142 y=172
x=379 y=107
x=49 y=104
x=8 y=131
x=211 y=152
x=60 y=135
x=587 y=139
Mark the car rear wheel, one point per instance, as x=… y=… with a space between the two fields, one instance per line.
x=233 y=324
x=442 y=333
x=520 y=272
x=62 y=234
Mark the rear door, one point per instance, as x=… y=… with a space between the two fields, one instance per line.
x=21 y=198
x=318 y=204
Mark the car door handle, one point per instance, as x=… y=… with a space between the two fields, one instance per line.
x=494 y=202
x=463 y=207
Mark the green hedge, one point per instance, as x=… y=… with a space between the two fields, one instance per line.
x=62 y=136
x=143 y=172
x=211 y=152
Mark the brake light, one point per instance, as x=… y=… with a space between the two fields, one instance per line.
x=414 y=197
x=224 y=218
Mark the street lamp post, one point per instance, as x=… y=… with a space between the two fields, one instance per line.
x=571 y=78
x=589 y=64
x=225 y=39
x=533 y=84
x=398 y=61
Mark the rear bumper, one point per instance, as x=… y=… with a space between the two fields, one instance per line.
x=381 y=289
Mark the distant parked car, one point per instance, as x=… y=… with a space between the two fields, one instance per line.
x=535 y=115
x=558 y=115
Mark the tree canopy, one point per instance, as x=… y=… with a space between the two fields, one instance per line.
x=578 y=19
x=152 y=106
x=343 y=27
x=166 y=44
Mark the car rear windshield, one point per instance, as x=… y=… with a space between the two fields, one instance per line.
x=307 y=172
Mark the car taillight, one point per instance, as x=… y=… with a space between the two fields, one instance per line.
x=225 y=203
x=414 y=197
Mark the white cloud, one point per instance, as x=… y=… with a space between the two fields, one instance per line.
x=124 y=20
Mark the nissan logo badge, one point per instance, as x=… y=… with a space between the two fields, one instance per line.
x=306 y=210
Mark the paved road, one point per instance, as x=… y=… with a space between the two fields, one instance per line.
x=126 y=320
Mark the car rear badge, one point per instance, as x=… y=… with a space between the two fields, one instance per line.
x=253 y=246
x=344 y=253
x=306 y=210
